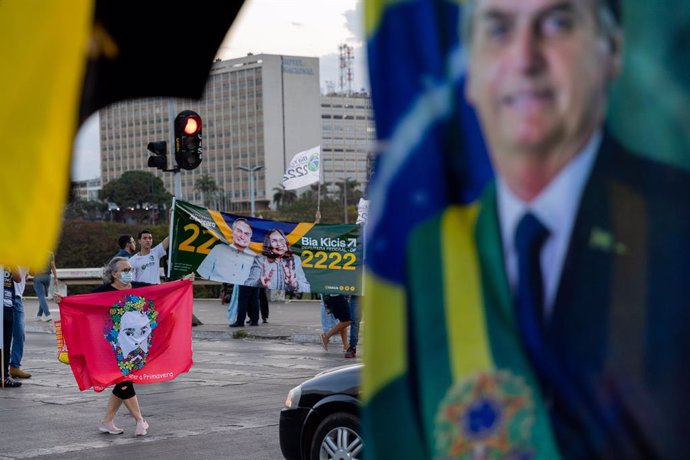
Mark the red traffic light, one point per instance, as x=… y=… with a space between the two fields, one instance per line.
x=191 y=126
x=188 y=148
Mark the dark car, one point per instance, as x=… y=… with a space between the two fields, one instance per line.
x=320 y=419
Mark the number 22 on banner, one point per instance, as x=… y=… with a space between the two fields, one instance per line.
x=203 y=248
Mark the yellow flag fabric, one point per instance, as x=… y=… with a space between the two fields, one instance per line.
x=43 y=45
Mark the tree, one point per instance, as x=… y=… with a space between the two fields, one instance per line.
x=134 y=189
x=207 y=186
x=349 y=195
x=283 y=197
x=349 y=186
x=85 y=210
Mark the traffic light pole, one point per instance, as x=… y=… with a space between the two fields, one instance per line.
x=185 y=140
x=177 y=179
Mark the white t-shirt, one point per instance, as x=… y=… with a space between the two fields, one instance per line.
x=146 y=268
x=20 y=286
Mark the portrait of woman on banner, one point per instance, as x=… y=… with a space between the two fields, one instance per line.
x=277 y=267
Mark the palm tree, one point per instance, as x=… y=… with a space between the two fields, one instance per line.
x=282 y=196
x=278 y=196
x=348 y=193
x=207 y=186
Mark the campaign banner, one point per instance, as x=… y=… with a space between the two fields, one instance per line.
x=289 y=256
x=143 y=335
x=303 y=169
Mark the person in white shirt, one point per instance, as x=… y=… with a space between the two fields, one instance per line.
x=146 y=262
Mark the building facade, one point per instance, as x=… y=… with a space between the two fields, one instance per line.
x=348 y=134
x=258 y=110
x=87 y=190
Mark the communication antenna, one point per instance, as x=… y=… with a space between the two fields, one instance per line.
x=346 y=74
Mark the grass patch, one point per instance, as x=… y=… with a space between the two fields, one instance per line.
x=241 y=334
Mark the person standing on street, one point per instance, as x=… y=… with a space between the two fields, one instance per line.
x=340 y=307
x=146 y=263
x=127 y=246
x=117 y=275
x=263 y=304
x=18 y=333
x=42 y=286
x=354 y=327
x=10 y=277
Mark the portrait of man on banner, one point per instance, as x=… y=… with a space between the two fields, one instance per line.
x=230 y=263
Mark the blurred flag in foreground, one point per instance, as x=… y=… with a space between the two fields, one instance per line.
x=431 y=358
x=442 y=348
x=143 y=335
x=66 y=63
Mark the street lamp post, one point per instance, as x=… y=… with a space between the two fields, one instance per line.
x=345 y=181
x=251 y=170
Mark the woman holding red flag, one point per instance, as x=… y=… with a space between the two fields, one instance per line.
x=117 y=275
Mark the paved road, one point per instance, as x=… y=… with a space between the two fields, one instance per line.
x=296 y=321
x=227 y=406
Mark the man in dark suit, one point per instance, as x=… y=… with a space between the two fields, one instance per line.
x=613 y=326
x=585 y=297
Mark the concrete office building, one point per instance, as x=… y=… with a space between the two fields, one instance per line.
x=257 y=110
x=348 y=137
x=86 y=190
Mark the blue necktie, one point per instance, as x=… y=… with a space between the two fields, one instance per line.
x=529 y=239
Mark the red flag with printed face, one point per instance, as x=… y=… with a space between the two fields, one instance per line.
x=143 y=335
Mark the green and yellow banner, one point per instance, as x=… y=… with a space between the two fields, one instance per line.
x=289 y=256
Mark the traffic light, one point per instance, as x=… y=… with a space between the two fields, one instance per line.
x=188 y=148
x=159 y=159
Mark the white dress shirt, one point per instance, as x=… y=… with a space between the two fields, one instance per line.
x=556 y=207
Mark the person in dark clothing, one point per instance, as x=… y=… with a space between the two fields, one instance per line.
x=263 y=304
x=128 y=247
x=247 y=305
x=10 y=278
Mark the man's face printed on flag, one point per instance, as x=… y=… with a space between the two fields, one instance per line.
x=129 y=330
x=135 y=329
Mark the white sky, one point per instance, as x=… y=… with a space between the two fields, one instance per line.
x=295 y=27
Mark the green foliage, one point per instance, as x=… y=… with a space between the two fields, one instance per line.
x=207 y=186
x=134 y=189
x=304 y=210
x=240 y=334
x=85 y=210
x=85 y=244
x=283 y=197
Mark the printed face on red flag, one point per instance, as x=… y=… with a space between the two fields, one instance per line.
x=143 y=335
x=129 y=326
